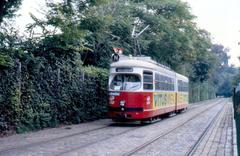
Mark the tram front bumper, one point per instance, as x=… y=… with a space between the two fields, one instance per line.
x=126 y=114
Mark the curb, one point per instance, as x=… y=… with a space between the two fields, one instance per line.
x=234 y=135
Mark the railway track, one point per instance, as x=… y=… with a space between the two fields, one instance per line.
x=132 y=152
x=78 y=133
x=195 y=146
x=209 y=143
x=37 y=144
x=89 y=132
x=51 y=140
x=94 y=142
x=141 y=147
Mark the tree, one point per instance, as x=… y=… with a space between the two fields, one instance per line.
x=236 y=79
x=223 y=75
x=221 y=52
x=93 y=28
x=8 y=35
x=8 y=8
x=109 y=24
x=10 y=42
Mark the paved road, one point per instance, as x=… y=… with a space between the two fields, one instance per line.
x=205 y=129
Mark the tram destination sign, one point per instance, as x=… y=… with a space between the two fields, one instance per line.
x=124 y=69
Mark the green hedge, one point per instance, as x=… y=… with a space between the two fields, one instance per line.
x=35 y=95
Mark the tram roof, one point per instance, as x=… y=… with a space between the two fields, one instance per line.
x=144 y=62
x=181 y=77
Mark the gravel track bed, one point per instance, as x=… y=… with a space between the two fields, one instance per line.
x=212 y=133
x=35 y=138
x=66 y=144
x=181 y=138
x=122 y=144
x=95 y=138
x=218 y=140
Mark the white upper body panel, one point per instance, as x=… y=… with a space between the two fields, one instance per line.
x=139 y=64
x=142 y=62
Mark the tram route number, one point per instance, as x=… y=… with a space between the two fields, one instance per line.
x=114 y=93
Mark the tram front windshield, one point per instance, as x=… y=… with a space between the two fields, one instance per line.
x=125 y=82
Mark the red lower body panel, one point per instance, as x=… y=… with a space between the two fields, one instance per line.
x=181 y=106
x=145 y=114
x=141 y=105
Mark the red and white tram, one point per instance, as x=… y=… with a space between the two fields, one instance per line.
x=141 y=89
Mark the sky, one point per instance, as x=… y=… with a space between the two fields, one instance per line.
x=27 y=7
x=219 y=17
x=222 y=19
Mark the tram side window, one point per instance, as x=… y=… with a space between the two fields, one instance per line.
x=164 y=83
x=182 y=86
x=147 y=80
x=185 y=87
x=157 y=82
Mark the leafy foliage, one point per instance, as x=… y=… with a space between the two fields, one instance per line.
x=236 y=79
x=224 y=74
x=42 y=95
x=9 y=42
x=8 y=7
x=8 y=36
x=60 y=75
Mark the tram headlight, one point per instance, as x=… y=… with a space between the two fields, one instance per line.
x=122 y=103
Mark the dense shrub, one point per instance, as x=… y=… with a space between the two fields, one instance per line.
x=35 y=95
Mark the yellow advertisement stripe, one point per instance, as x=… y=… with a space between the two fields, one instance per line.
x=163 y=99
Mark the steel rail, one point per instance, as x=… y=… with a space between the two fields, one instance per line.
x=107 y=138
x=139 y=148
x=194 y=147
x=29 y=145
x=51 y=140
